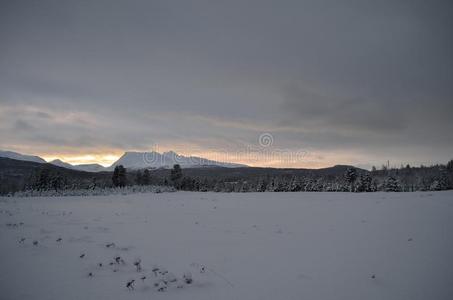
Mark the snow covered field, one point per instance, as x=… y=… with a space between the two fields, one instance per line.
x=235 y=246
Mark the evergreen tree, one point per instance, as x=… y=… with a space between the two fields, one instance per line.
x=271 y=185
x=204 y=186
x=435 y=186
x=391 y=184
x=115 y=177
x=139 y=178
x=244 y=187
x=364 y=183
x=450 y=165
x=122 y=176
x=43 y=180
x=93 y=184
x=56 y=182
x=350 y=176
x=176 y=175
x=318 y=185
x=146 y=177
x=261 y=185
x=295 y=185
x=308 y=185
x=218 y=187
x=444 y=182
x=440 y=183
x=196 y=184
x=119 y=176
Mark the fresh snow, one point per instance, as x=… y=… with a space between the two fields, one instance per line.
x=81 y=167
x=18 y=156
x=141 y=160
x=232 y=246
x=132 y=160
x=90 y=167
x=60 y=163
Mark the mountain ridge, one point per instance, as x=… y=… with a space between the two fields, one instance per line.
x=19 y=156
x=155 y=160
x=132 y=160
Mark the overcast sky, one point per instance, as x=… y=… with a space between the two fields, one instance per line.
x=344 y=82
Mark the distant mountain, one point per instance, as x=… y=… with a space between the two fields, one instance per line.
x=16 y=175
x=83 y=167
x=90 y=168
x=18 y=156
x=155 y=160
x=60 y=163
x=132 y=160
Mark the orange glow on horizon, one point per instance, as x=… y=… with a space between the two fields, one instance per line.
x=102 y=159
x=267 y=158
x=107 y=160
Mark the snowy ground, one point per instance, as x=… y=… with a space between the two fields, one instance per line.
x=236 y=246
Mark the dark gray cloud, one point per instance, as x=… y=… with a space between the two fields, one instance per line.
x=369 y=78
x=22 y=126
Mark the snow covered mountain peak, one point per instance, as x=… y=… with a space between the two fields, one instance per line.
x=170 y=153
x=142 y=160
x=132 y=160
x=18 y=156
x=60 y=163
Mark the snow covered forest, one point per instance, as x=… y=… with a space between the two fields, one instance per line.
x=405 y=179
x=45 y=179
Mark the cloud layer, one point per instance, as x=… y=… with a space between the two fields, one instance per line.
x=352 y=82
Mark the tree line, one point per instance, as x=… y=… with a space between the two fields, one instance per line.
x=403 y=179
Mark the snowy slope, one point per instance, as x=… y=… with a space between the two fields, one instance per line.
x=18 y=156
x=60 y=163
x=140 y=160
x=132 y=160
x=236 y=246
x=90 y=167
x=82 y=167
x=56 y=162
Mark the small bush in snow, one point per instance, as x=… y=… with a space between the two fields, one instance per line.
x=187 y=277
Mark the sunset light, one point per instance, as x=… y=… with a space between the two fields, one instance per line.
x=226 y=149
